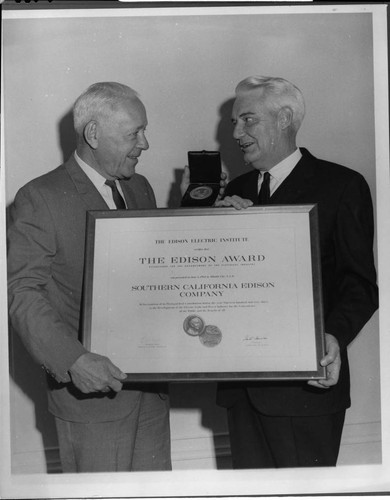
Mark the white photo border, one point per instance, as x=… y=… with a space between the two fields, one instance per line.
x=343 y=480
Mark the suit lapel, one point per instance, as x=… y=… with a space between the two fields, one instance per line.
x=297 y=183
x=85 y=188
x=88 y=192
x=130 y=198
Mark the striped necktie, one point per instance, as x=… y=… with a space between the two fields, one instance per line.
x=118 y=200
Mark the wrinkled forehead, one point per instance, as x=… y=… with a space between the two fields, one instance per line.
x=248 y=101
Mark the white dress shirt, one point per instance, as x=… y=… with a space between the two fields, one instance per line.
x=280 y=171
x=99 y=182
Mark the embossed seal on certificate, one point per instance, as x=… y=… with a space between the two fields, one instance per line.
x=211 y=336
x=193 y=325
x=201 y=192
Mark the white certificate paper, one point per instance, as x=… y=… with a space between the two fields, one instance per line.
x=205 y=293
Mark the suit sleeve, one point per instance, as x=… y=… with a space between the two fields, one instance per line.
x=356 y=294
x=151 y=194
x=32 y=246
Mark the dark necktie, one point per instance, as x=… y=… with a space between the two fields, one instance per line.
x=118 y=200
x=264 y=194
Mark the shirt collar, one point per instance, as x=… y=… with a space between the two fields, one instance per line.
x=97 y=179
x=282 y=169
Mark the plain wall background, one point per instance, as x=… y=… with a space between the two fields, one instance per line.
x=185 y=69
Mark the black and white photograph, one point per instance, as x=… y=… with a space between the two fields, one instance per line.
x=109 y=111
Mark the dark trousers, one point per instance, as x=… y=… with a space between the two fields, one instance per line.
x=262 y=441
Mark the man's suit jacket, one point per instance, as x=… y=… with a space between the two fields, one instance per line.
x=348 y=276
x=46 y=238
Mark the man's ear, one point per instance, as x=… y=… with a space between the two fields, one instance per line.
x=285 y=117
x=90 y=134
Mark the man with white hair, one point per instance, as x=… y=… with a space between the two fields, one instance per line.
x=102 y=425
x=295 y=424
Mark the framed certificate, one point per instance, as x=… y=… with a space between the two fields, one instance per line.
x=205 y=293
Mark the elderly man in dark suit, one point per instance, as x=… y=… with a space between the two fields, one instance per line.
x=293 y=424
x=102 y=424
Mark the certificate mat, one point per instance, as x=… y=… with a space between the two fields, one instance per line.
x=205 y=293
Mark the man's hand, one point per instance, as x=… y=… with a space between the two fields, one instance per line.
x=185 y=182
x=95 y=373
x=234 y=201
x=332 y=361
x=222 y=186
